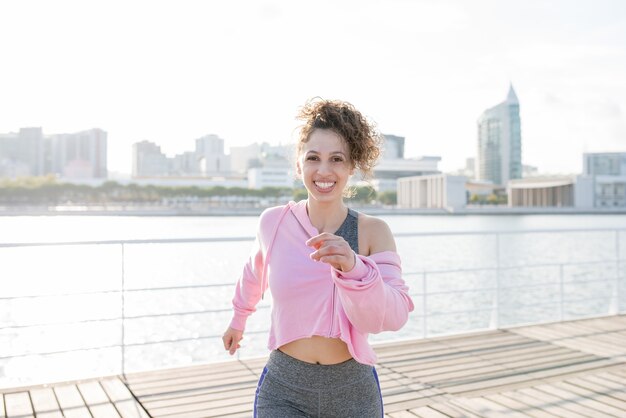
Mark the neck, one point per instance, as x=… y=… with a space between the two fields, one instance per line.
x=326 y=217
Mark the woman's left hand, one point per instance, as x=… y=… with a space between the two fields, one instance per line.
x=333 y=250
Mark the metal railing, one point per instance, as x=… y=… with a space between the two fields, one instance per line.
x=424 y=294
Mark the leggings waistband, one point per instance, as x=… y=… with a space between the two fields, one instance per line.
x=316 y=376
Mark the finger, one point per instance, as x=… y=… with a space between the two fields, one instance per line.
x=227 y=342
x=333 y=260
x=329 y=242
x=336 y=248
x=319 y=239
x=234 y=348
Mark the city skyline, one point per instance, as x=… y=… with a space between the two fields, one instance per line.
x=168 y=73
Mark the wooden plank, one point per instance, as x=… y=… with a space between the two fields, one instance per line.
x=70 y=401
x=592 y=407
x=411 y=403
x=204 y=397
x=97 y=400
x=548 y=361
x=192 y=404
x=565 y=369
x=529 y=351
x=472 y=367
x=195 y=370
x=18 y=405
x=614 y=376
x=620 y=373
x=451 y=410
x=514 y=403
x=486 y=408
x=400 y=414
x=490 y=385
x=190 y=380
x=536 y=406
x=426 y=412
x=553 y=404
x=600 y=386
x=170 y=386
x=216 y=412
x=611 y=405
x=45 y=403
x=123 y=400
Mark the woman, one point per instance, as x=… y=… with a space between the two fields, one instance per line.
x=334 y=275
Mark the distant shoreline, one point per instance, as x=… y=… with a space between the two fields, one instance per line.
x=242 y=211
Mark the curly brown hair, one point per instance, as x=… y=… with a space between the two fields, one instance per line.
x=341 y=117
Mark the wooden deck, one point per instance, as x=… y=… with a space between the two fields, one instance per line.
x=570 y=369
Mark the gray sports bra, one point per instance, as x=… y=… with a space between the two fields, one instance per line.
x=349 y=230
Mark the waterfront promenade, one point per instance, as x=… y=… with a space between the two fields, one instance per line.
x=566 y=369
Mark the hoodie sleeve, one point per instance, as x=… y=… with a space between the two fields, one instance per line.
x=248 y=290
x=373 y=294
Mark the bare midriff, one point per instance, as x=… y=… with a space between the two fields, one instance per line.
x=318 y=350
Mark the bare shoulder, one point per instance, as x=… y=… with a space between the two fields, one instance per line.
x=374 y=235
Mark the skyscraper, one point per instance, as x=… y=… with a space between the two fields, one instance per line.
x=148 y=160
x=499 y=156
x=210 y=152
x=78 y=155
x=70 y=156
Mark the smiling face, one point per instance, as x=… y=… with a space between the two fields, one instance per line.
x=324 y=165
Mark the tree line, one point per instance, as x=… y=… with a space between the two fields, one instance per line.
x=48 y=191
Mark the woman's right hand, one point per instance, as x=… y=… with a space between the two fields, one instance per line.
x=231 y=340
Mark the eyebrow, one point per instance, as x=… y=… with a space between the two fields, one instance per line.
x=332 y=153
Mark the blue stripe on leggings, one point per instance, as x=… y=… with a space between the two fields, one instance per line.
x=382 y=408
x=258 y=388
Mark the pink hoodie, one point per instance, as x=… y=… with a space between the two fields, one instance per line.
x=313 y=298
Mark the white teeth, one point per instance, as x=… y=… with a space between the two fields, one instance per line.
x=324 y=185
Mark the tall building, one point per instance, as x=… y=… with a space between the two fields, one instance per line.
x=604 y=163
x=607 y=171
x=499 y=157
x=77 y=155
x=435 y=191
x=245 y=157
x=148 y=160
x=210 y=152
x=393 y=147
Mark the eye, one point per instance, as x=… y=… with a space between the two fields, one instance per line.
x=337 y=159
x=311 y=158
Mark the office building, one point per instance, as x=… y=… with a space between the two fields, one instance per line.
x=80 y=155
x=393 y=147
x=608 y=171
x=392 y=165
x=148 y=160
x=499 y=157
x=439 y=191
x=542 y=192
x=211 y=157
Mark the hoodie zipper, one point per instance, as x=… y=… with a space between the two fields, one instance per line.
x=332 y=298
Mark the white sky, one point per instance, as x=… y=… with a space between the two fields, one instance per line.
x=170 y=72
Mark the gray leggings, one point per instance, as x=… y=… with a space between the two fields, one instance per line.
x=290 y=388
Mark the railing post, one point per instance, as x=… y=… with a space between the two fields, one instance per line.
x=424 y=306
x=495 y=308
x=123 y=317
x=561 y=294
x=614 y=306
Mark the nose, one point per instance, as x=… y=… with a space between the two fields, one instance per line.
x=323 y=168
